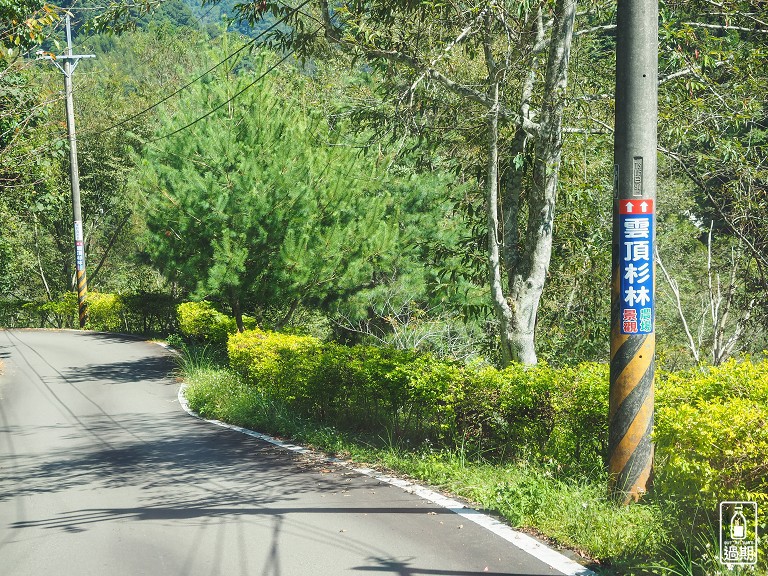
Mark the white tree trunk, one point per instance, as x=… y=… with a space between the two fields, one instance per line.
x=527 y=269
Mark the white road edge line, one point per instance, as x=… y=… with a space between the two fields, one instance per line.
x=540 y=551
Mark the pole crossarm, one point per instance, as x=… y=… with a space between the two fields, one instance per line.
x=74 y=59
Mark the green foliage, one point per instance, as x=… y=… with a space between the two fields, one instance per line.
x=201 y=322
x=711 y=426
x=712 y=112
x=577 y=513
x=538 y=412
x=105 y=312
x=147 y=312
x=36 y=252
x=13 y=314
x=712 y=435
x=59 y=312
x=136 y=313
x=23 y=24
x=252 y=206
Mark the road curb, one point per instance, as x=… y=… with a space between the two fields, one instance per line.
x=524 y=542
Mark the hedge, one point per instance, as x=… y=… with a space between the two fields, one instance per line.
x=521 y=411
x=201 y=322
x=140 y=312
x=711 y=430
x=712 y=433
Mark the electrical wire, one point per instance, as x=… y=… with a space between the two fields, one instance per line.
x=198 y=78
x=220 y=106
x=190 y=83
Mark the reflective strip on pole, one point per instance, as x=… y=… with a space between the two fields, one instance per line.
x=82 y=292
x=633 y=338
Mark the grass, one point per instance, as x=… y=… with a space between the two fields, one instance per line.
x=638 y=540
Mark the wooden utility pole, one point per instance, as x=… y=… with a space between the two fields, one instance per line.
x=633 y=337
x=70 y=62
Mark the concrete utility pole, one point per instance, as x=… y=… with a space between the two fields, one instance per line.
x=70 y=63
x=633 y=338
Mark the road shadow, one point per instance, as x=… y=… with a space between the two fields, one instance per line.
x=148 y=369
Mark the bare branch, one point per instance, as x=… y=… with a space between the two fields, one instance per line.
x=595 y=29
x=673 y=286
x=725 y=27
x=688 y=70
x=465 y=33
x=41 y=272
x=696 y=179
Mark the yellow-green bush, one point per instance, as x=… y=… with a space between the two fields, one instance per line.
x=104 y=312
x=538 y=411
x=264 y=357
x=201 y=321
x=711 y=424
x=711 y=434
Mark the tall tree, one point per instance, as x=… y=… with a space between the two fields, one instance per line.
x=504 y=67
x=252 y=204
x=714 y=130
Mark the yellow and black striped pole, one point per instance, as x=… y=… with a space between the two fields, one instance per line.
x=633 y=337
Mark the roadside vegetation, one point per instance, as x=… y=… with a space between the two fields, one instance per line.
x=527 y=443
x=340 y=217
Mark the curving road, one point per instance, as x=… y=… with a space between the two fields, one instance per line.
x=102 y=473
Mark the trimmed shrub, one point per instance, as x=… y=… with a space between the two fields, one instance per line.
x=201 y=322
x=711 y=434
x=521 y=411
x=281 y=364
x=104 y=312
x=140 y=312
x=149 y=312
x=711 y=424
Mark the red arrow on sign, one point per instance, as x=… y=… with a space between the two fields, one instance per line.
x=640 y=206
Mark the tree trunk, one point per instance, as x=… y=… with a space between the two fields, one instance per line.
x=500 y=304
x=237 y=311
x=288 y=315
x=528 y=272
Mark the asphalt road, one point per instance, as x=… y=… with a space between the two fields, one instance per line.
x=102 y=473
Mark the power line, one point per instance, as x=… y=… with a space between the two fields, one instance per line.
x=188 y=84
x=191 y=82
x=220 y=106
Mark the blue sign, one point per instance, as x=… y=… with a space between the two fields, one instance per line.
x=637 y=312
x=79 y=256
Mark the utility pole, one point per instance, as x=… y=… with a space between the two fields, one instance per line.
x=70 y=63
x=633 y=337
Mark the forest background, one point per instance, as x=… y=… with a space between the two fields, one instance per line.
x=421 y=213
x=387 y=173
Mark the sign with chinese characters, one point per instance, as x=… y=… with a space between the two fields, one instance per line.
x=79 y=256
x=79 y=246
x=738 y=533
x=636 y=266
